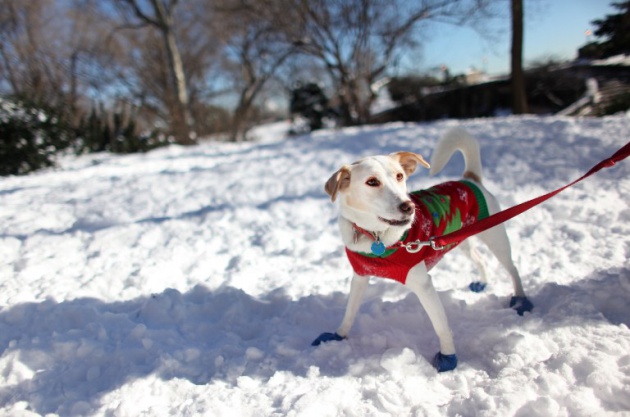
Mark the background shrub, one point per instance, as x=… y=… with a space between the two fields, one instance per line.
x=30 y=136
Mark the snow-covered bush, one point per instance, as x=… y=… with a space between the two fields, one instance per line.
x=309 y=102
x=30 y=136
x=115 y=132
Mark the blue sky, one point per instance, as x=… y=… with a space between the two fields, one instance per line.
x=552 y=28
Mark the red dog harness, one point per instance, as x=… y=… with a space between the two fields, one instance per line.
x=441 y=209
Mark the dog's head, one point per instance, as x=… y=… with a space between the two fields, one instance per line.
x=373 y=191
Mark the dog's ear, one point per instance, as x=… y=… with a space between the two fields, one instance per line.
x=409 y=161
x=339 y=181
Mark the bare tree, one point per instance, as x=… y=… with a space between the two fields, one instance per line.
x=160 y=14
x=258 y=60
x=164 y=56
x=357 y=40
x=33 y=69
x=145 y=77
x=50 y=52
x=254 y=50
x=519 y=96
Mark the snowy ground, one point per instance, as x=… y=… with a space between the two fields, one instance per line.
x=191 y=281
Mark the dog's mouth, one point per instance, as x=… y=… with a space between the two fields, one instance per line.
x=403 y=222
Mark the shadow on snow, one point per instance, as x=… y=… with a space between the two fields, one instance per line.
x=62 y=353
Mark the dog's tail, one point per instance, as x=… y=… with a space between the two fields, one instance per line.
x=458 y=139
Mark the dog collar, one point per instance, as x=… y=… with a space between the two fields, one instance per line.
x=378 y=248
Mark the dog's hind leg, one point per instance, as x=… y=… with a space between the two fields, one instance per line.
x=419 y=281
x=497 y=241
x=475 y=256
x=357 y=291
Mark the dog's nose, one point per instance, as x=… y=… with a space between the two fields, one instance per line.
x=407 y=207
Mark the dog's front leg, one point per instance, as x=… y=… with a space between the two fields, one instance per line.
x=357 y=291
x=419 y=281
x=355 y=298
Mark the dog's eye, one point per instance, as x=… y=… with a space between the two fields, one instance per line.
x=373 y=182
x=400 y=177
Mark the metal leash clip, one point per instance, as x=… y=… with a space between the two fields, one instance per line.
x=416 y=246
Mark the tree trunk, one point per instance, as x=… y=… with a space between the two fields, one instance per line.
x=239 y=129
x=519 y=97
x=182 y=119
x=347 y=97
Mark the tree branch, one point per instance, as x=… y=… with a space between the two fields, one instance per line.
x=135 y=7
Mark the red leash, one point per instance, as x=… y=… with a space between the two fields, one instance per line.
x=505 y=215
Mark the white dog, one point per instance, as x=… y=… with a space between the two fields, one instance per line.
x=386 y=230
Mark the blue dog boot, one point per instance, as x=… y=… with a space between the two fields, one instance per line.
x=444 y=363
x=477 y=286
x=521 y=305
x=326 y=337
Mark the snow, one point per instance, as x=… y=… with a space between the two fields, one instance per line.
x=622 y=59
x=190 y=281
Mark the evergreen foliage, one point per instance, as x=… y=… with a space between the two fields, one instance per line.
x=309 y=101
x=614 y=29
x=101 y=132
x=31 y=135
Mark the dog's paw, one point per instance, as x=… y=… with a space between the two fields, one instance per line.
x=521 y=305
x=326 y=337
x=444 y=363
x=477 y=286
